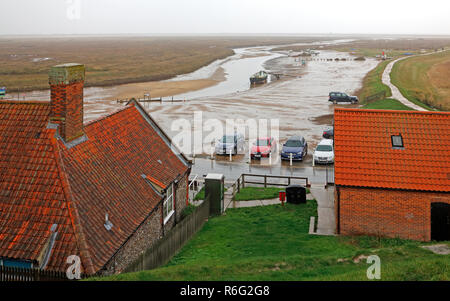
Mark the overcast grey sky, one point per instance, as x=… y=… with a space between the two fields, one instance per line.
x=224 y=16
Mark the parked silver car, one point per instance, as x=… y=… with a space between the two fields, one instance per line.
x=230 y=143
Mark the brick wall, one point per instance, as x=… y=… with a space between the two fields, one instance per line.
x=384 y=212
x=147 y=234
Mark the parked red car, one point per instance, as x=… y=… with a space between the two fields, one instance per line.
x=263 y=147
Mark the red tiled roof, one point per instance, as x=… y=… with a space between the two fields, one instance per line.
x=32 y=197
x=43 y=182
x=364 y=155
x=105 y=175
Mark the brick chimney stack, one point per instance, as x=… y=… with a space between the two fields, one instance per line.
x=66 y=88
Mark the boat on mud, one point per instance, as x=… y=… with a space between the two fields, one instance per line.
x=259 y=78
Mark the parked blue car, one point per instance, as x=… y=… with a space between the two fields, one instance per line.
x=296 y=146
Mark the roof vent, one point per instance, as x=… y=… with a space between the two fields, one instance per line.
x=159 y=161
x=108 y=225
x=397 y=141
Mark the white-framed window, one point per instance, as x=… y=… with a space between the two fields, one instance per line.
x=168 y=204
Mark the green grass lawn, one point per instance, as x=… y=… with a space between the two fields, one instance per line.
x=387 y=104
x=250 y=193
x=421 y=83
x=272 y=243
x=258 y=193
x=372 y=83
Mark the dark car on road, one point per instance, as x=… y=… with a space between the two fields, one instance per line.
x=328 y=133
x=336 y=97
x=296 y=147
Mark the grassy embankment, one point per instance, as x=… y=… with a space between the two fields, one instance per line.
x=425 y=80
x=387 y=104
x=372 y=84
x=116 y=60
x=272 y=243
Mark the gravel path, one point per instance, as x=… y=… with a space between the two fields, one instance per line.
x=395 y=91
x=386 y=79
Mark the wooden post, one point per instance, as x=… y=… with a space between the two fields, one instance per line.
x=265 y=181
x=239 y=185
x=243 y=181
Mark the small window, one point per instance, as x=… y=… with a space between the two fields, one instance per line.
x=168 y=204
x=397 y=141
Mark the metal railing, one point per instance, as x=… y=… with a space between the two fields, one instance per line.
x=195 y=185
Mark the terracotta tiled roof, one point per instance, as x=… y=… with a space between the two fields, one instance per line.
x=32 y=197
x=105 y=175
x=43 y=182
x=364 y=155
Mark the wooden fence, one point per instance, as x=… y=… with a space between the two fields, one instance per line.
x=267 y=180
x=378 y=96
x=165 y=248
x=21 y=274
